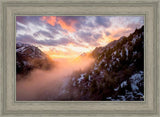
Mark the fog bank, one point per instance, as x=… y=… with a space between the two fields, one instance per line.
x=49 y=85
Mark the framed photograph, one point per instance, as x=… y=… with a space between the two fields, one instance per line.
x=80 y=58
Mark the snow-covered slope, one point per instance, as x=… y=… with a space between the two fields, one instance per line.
x=117 y=73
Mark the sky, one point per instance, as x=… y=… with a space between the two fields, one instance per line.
x=70 y=36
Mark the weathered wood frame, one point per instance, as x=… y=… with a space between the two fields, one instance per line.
x=9 y=9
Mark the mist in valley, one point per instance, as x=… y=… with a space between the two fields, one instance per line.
x=51 y=84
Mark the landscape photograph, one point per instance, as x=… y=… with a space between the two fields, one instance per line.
x=79 y=58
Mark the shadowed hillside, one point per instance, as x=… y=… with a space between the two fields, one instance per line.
x=117 y=73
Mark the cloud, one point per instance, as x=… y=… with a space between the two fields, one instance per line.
x=61 y=41
x=49 y=19
x=21 y=19
x=31 y=39
x=103 y=21
x=75 y=21
x=134 y=25
x=97 y=36
x=89 y=37
x=25 y=39
x=20 y=27
x=69 y=19
x=68 y=27
x=86 y=36
x=55 y=30
x=122 y=32
x=107 y=33
x=72 y=23
x=68 y=23
x=28 y=19
x=44 y=33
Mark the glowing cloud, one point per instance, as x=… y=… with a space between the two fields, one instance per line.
x=52 y=20
x=49 y=19
x=67 y=27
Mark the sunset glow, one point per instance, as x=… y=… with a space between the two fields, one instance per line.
x=70 y=36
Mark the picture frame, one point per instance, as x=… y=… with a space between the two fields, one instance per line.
x=150 y=9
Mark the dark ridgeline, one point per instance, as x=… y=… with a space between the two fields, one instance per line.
x=117 y=74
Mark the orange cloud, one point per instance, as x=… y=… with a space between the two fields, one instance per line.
x=67 y=27
x=49 y=19
x=52 y=20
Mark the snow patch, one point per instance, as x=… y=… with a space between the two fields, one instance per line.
x=135 y=79
x=134 y=40
x=89 y=78
x=114 y=52
x=20 y=49
x=117 y=59
x=108 y=98
x=123 y=84
x=126 y=51
x=116 y=89
x=81 y=78
x=121 y=53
